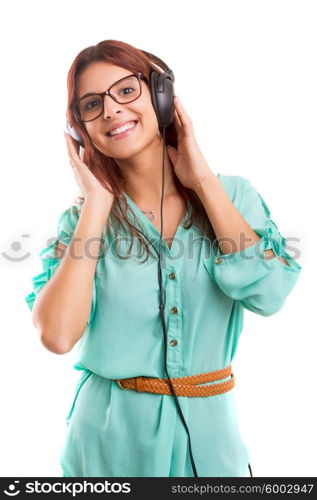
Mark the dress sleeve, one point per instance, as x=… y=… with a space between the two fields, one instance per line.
x=65 y=228
x=260 y=285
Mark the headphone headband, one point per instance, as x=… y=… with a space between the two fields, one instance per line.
x=161 y=63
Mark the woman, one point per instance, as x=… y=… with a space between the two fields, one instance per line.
x=108 y=301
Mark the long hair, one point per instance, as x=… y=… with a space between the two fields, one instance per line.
x=104 y=167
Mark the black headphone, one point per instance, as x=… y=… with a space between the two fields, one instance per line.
x=162 y=93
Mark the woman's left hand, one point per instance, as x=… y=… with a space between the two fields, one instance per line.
x=189 y=164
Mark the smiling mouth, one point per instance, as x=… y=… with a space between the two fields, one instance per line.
x=108 y=134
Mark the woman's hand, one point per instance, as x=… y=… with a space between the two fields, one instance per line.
x=189 y=164
x=87 y=181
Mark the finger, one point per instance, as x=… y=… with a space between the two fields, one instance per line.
x=73 y=145
x=81 y=153
x=177 y=121
x=72 y=153
x=185 y=119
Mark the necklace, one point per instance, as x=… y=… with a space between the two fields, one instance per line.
x=152 y=213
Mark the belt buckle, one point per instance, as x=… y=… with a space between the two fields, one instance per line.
x=120 y=385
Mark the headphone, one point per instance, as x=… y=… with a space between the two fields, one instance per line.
x=162 y=93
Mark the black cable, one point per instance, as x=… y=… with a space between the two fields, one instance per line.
x=172 y=387
x=251 y=475
x=163 y=318
x=165 y=336
x=161 y=307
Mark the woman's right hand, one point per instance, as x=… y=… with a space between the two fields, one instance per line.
x=87 y=181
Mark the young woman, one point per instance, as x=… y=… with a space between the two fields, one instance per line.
x=221 y=254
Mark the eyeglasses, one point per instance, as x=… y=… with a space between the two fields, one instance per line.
x=125 y=90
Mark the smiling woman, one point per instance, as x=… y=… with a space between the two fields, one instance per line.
x=112 y=88
x=123 y=421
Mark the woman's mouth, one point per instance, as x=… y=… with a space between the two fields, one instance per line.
x=125 y=133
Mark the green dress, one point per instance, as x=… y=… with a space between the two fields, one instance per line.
x=112 y=432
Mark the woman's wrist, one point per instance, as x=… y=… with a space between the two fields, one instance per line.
x=98 y=201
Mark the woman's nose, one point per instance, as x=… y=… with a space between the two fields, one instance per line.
x=110 y=106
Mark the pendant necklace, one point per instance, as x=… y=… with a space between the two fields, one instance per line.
x=153 y=215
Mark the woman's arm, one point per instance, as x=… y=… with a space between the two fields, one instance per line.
x=244 y=231
x=62 y=307
x=226 y=220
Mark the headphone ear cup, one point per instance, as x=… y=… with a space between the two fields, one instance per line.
x=74 y=133
x=162 y=93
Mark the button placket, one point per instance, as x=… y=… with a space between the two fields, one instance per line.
x=174 y=329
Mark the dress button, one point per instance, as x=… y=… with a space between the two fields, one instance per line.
x=218 y=260
x=173 y=342
x=174 y=310
x=172 y=276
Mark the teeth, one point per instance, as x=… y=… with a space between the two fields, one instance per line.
x=123 y=128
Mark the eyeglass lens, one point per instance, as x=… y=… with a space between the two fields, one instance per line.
x=125 y=91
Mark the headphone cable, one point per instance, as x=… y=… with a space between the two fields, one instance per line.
x=161 y=307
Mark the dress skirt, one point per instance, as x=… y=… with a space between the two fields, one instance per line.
x=112 y=432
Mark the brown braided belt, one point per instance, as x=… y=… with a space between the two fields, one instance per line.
x=184 y=386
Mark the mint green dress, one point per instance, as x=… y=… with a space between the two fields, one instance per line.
x=111 y=432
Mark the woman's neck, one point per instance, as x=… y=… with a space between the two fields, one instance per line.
x=144 y=186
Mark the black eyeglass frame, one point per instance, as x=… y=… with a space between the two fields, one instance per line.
x=107 y=92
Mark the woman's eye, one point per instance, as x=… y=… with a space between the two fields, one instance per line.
x=129 y=89
x=90 y=105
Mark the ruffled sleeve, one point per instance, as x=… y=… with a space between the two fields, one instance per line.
x=260 y=285
x=65 y=228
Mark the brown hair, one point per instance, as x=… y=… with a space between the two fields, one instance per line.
x=104 y=167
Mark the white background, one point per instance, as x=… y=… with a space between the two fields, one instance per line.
x=246 y=74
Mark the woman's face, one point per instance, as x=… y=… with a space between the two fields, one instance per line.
x=98 y=77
